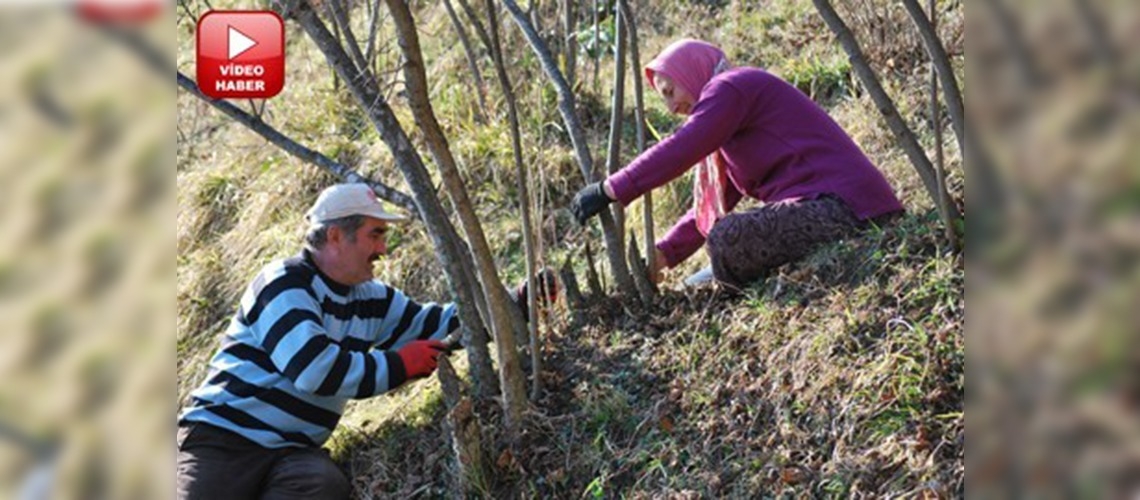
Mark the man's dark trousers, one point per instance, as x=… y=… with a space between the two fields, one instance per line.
x=215 y=463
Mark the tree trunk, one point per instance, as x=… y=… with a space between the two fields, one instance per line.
x=574 y=300
x=592 y=273
x=524 y=194
x=597 y=51
x=973 y=152
x=373 y=28
x=936 y=126
x=944 y=69
x=640 y=273
x=460 y=280
x=510 y=371
x=971 y=149
x=472 y=62
x=462 y=426
x=617 y=105
x=577 y=138
x=639 y=116
x=902 y=132
x=571 y=44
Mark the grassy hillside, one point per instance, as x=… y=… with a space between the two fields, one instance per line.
x=840 y=376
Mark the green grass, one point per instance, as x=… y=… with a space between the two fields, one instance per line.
x=821 y=78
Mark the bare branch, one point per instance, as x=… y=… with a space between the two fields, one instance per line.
x=472 y=60
x=341 y=19
x=477 y=24
x=373 y=29
x=158 y=62
x=292 y=147
x=976 y=156
x=617 y=261
x=902 y=132
x=597 y=52
x=941 y=62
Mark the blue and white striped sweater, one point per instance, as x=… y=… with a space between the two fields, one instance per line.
x=301 y=345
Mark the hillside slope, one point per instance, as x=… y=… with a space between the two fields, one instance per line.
x=840 y=377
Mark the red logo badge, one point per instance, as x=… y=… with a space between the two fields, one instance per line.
x=241 y=54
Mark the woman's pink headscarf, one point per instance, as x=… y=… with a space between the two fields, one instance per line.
x=691 y=64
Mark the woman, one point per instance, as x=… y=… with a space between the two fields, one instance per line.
x=748 y=133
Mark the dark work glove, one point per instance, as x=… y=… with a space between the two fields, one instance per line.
x=588 y=202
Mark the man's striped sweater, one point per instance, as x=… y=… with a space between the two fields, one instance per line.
x=301 y=345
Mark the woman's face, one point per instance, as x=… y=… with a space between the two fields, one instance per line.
x=676 y=98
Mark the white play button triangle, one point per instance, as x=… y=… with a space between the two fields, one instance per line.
x=239 y=43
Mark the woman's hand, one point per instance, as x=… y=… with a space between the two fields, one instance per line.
x=657 y=267
x=589 y=201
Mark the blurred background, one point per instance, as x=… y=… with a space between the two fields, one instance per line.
x=1052 y=347
x=87 y=252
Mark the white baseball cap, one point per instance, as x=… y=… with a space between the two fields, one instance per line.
x=343 y=200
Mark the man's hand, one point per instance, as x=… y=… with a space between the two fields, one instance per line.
x=421 y=357
x=655 y=270
x=589 y=201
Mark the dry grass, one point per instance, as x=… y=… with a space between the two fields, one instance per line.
x=840 y=377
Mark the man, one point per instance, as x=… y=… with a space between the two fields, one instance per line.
x=311 y=332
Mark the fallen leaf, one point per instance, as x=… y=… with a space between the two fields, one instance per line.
x=936 y=395
x=793 y=475
x=929 y=493
x=923 y=441
x=506 y=459
x=887 y=395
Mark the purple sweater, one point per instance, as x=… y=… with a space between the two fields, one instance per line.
x=778 y=145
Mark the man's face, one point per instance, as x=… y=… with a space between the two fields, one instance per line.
x=357 y=256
